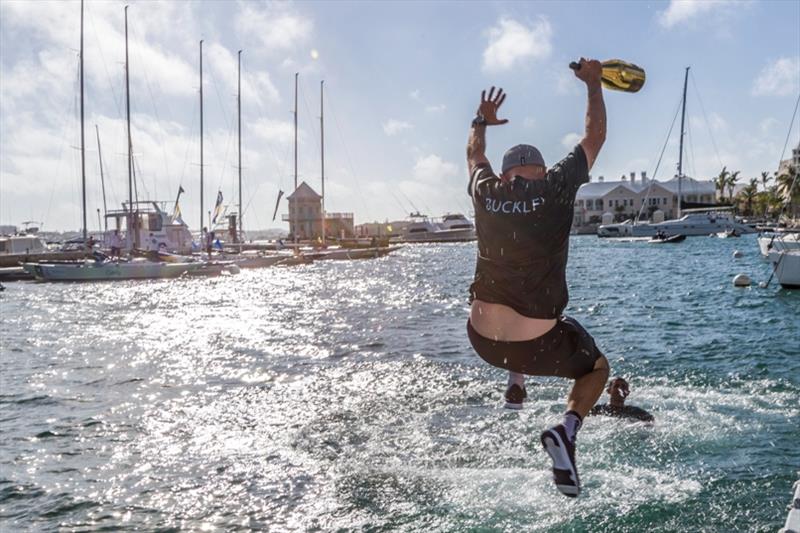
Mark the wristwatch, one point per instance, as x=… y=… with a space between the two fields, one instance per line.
x=479 y=120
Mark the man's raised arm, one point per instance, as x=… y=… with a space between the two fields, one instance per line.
x=589 y=71
x=487 y=116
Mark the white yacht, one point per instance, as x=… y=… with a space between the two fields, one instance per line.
x=786 y=266
x=769 y=242
x=704 y=221
x=452 y=228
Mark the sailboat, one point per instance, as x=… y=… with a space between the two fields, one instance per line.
x=690 y=222
x=101 y=268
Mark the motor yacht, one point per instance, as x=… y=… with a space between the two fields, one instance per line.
x=695 y=222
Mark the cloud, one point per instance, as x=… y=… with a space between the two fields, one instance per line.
x=512 y=43
x=432 y=167
x=571 y=139
x=766 y=125
x=414 y=95
x=435 y=108
x=681 y=11
x=529 y=123
x=393 y=127
x=274 y=25
x=779 y=78
x=257 y=86
x=566 y=83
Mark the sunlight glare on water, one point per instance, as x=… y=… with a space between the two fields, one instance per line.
x=345 y=395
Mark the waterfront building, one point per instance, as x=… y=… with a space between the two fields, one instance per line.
x=623 y=199
x=792 y=162
x=305 y=216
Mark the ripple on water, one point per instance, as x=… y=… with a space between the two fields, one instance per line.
x=344 y=395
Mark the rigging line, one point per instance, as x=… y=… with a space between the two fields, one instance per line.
x=158 y=121
x=75 y=164
x=408 y=200
x=347 y=153
x=794 y=180
x=281 y=164
x=658 y=164
x=64 y=142
x=225 y=114
x=314 y=129
x=252 y=197
x=225 y=159
x=705 y=116
x=791 y=125
x=189 y=143
x=397 y=200
x=691 y=147
x=117 y=100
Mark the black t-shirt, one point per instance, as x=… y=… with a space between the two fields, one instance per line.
x=523 y=232
x=626 y=411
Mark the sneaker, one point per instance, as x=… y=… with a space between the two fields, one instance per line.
x=562 y=451
x=515 y=395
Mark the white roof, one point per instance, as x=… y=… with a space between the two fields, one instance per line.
x=598 y=189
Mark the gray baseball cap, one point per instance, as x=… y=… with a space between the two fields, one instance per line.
x=521 y=155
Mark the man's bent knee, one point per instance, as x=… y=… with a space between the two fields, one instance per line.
x=601 y=365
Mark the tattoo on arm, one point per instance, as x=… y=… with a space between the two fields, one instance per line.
x=595 y=134
x=476 y=146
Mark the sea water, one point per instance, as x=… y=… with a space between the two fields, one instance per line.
x=345 y=396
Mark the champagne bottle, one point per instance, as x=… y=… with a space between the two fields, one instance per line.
x=619 y=75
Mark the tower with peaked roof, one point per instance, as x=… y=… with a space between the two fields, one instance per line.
x=305 y=217
x=305 y=213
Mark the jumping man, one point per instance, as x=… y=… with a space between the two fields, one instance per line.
x=523 y=218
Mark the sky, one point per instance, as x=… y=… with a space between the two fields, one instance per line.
x=402 y=83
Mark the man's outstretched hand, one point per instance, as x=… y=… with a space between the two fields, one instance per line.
x=589 y=71
x=489 y=106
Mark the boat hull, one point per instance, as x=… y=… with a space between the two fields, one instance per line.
x=353 y=253
x=449 y=235
x=694 y=226
x=786 y=265
x=777 y=243
x=94 y=271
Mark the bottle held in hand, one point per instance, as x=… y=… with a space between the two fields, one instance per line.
x=619 y=75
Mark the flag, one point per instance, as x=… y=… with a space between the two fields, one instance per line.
x=277 y=203
x=176 y=215
x=176 y=211
x=217 y=208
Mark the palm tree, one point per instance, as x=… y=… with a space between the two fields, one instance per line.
x=720 y=182
x=787 y=189
x=731 y=183
x=748 y=194
x=764 y=179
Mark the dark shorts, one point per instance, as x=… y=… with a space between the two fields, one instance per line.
x=567 y=351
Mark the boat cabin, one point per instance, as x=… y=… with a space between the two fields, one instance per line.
x=149 y=217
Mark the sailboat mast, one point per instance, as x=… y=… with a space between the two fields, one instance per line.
x=131 y=221
x=322 y=150
x=83 y=148
x=680 y=150
x=239 y=109
x=102 y=178
x=201 y=135
x=294 y=211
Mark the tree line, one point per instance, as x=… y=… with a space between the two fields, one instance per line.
x=768 y=200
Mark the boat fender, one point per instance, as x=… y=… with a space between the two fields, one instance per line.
x=741 y=280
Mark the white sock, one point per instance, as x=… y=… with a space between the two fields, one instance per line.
x=516 y=378
x=572 y=423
